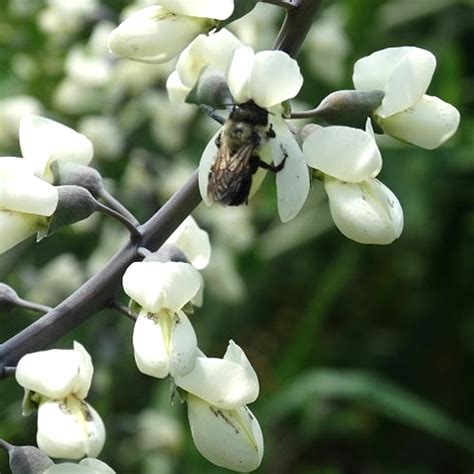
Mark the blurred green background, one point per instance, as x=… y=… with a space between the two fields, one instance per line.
x=364 y=353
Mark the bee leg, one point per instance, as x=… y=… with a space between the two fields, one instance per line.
x=274 y=168
x=211 y=112
x=218 y=141
x=270 y=132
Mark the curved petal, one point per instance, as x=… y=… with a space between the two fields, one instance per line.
x=151 y=337
x=193 y=241
x=51 y=373
x=44 y=141
x=220 y=382
x=177 y=91
x=215 y=50
x=16 y=227
x=155 y=35
x=157 y=285
x=366 y=212
x=207 y=160
x=239 y=74
x=85 y=372
x=218 y=9
x=292 y=181
x=286 y=78
x=348 y=154
x=230 y=439
x=183 y=346
x=69 y=429
x=86 y=466
x=428 y=124
x=404 y=74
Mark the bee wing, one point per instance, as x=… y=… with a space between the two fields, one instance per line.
x=231 y=175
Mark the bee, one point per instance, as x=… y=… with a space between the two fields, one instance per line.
x=237 y=160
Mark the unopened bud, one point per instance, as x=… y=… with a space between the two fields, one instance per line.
x=67 y=173
x=8 y=297
x=210 y=89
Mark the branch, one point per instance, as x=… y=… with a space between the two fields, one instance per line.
x=94 y=294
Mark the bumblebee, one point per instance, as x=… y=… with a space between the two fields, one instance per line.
x=237 y=160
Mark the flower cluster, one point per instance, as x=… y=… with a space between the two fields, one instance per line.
x=216 y=390
x=57 y=381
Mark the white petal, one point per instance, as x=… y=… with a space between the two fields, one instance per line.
x=16 y=227
x=85 y=372
x=230 y=439
x=220 y=382
x=177 y=91
x=293 y=180
x=239 y=74
x=404 y=74
x=348 y=154
x=155 y=35
x=193 y=241
x=208 y=157
x=52 y=373
x=218 y=9
x=69 y=429
x=97 y=466
x=157 y=285
x=151 y=345
x=44 y=141
x=275 y=77
x=86 y=466
x=428 y=124
x=183 y=346
x=366 y=212
x=214 y=50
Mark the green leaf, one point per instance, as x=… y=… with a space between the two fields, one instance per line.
x=377 y=394
x=241 y=8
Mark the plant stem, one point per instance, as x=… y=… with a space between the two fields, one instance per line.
x=134 y=232
x=286 y=4
x=40 y=308
x=114 y=304
x=116 y=205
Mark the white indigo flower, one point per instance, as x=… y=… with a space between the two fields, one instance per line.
x=164 y=340
x=58 y=381
x=160 y=32
x=406 y=112
x=26 y=202
x=268 y=79
x=224 y=430
x=363 y=209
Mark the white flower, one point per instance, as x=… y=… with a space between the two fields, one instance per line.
x=160 y=32
x=223 y=428
x=163 y=339
x=193 y=241
x=86 y=466
x=228 y=438
x=363 y=209
x=25 y=202
x=69 y=429
x=248 y=80
x=58 y=381
x=44 y=141
x=406 y=112
x=56 y=373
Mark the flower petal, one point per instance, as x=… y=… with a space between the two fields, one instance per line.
x=284 y=72
x=215 y=50
x=428 y=124
x=230 y=439
x=53 y=373
x=157 y=285
x=44 y=141
x=183 y=346
x=193 y=241
x=223 y=383
x=348 y=154
x=177 y=91
x=239 y=74
x=366 y=212
x=150 y=347
x=85 y=372
x=404 y=74
x=218 y=9
x=16 y=227
x=208 y=157
x=155 y=35
x=69 y=429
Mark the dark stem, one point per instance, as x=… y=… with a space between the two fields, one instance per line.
x=114 y=304
x=100 y=289
x=134 y=232
x=143 y=252
x=40 y=308
x=286 y=4
x=116 y=205
x=305 y=114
